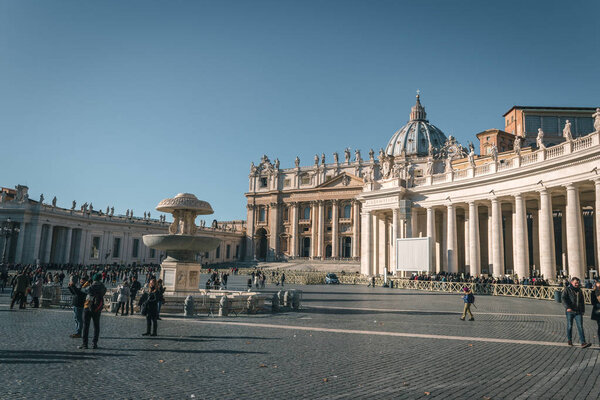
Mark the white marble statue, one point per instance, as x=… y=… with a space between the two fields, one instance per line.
x=494 y=153
x=316 y=159
x=472 y=158
x=336 y=158
x=73 y=205
x=347 y=155
x=357 y=156
x=596 y=116
x=297 y=162
x=2 y=197
x=539 y=140
x=112 y=211
x=517 y=145
x=429 y=170
x=371 y=155
x=448 y=167
x=277 y=163
x=322 y=158
x=567 y=131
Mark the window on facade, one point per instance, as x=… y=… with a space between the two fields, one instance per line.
x=95 y=250
x=285 y=213
x=261 y=214
x=116 y=247
x=228 y=251
x=329 y=212
x=237 y=251
x=305 y=180
x=347 y=211
x=532 y=123
x=286 y=183
x=263 y=182
x=135 y=248
x=585 y=125
x=152 y=253
x=206 y=255
x=218 y=252
x=550 y=124
x=306 y=214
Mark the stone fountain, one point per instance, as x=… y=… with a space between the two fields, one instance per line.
x=180 y=271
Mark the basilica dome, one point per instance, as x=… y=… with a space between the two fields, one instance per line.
x=416 y=136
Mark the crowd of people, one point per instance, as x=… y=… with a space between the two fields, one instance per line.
x=466 y=277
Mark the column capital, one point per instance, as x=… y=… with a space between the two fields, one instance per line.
x=335 y=202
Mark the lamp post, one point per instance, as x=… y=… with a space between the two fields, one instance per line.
x=6 y=231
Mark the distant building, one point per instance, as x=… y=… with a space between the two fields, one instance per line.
x=551 y=120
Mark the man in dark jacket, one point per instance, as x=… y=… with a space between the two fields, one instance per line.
x=77 y=302
x=92 y=308
x=572 y=298
x=133 y=290
x=20 y=289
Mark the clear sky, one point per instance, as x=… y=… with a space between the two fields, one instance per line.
x=125 y=103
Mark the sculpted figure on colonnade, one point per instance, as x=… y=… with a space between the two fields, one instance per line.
x=371 y=155
x=472 y=157
x=316 y=160
x=357 y=156
x=429 y=170
x=517 y=145
x=494 y=153
x=567 y=131
x=73 y=205
x=54 y=201
x=596 y=116
x=42 y=198
x=539 y=141
x=336 y=158
x=347 y=155
x=297 y=162
x=322 y=158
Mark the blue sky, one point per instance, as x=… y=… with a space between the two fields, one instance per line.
x=126 y=103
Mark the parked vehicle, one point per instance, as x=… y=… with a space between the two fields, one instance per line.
x=331 y=279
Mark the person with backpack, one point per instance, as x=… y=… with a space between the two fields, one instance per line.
x=572 y=298
x=468 y=298
x=92 y=308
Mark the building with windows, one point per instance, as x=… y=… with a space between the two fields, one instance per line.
x=514 y=209
x=46 y=233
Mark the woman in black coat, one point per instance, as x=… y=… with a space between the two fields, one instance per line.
x=595 y=297
x=151 y=304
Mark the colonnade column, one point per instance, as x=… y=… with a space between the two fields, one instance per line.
x=20 y=243
x=546 y=235
x=452 y=242
x=431 y=236
x=48 y=244
x=355 y=229
x=394 y=236
x=67 y=258
x=574 y=235
x=597 y=220
x=335 y=242
x=521 y=240
x=474 y=261
x=366 y=262
x=321 y=234
x=497 y=240
x=294 y=243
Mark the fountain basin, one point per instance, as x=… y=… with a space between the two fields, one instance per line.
x=194 y=243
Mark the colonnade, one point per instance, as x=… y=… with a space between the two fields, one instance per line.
x=498 y=235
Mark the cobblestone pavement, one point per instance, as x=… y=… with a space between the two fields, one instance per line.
x=347 y=342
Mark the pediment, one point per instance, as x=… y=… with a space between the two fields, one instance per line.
x=342 y=180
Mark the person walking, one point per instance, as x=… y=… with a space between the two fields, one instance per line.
x=92 y=308
x=77 y=302
x=572 y=298
x=468 y=298
x=133 y=290
x=149 y=307
x=21 y=283
x=36 y=292
x=123 y=298
x=282 y=278
x=595 y=297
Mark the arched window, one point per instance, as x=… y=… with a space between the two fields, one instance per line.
x=306 y=213
x=347 y=211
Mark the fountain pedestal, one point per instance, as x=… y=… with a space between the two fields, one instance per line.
x=179 y=277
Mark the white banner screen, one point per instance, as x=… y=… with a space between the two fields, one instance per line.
x=413 y=254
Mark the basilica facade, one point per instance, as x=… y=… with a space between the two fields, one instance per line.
x=512 y=210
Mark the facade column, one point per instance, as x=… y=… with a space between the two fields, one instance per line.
x=414 y=220
x=321 y=232
x=376 y=243
x=563 y=238
x=294 y=239
x=597 y=221
x=250 y=229
x=546 y=234
x=474 y=260
x=335 y=240
x=67 y=258
x=366 y=259
x=444 y=241
x=535 y=239
x=497 y=240
x=356 y=237
x=314 y=228
x=574 y=236
x=521 y=239
x=274 y=225
x=452 y=245
x=431 y=236
x=394 y=236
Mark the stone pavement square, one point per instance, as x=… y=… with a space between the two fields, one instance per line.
x=346 y=342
